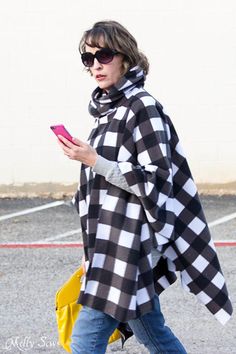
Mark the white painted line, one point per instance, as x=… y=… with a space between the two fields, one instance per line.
x=32 y=210
x=57 y=237
x=222 y=220
x=73 y=232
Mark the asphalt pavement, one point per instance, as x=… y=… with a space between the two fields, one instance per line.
x=30 y=277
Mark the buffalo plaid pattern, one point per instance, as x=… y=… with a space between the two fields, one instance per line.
x=164 y=211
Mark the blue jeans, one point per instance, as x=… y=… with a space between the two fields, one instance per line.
x=93 y=329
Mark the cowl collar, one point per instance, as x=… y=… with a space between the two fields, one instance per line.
x=103 y=103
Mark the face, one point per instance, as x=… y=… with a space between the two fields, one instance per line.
x=108 y=74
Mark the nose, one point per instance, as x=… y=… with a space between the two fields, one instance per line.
x=96 y=64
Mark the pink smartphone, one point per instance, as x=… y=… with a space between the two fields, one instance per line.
x=61 y=130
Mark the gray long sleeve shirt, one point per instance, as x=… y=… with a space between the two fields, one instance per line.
x=112 y=173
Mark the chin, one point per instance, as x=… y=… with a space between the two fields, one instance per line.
x=104 y=87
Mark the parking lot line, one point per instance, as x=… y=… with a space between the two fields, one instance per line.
x=48 y=242
x=57 y=237
x=41 y=245
x=223 y=243
x=32 y=210
x=72 y=244
x=222 y=220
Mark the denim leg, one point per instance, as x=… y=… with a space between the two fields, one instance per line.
x=151 y=331
x=91 y=331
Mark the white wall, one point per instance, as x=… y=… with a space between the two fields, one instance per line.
x=192 y=51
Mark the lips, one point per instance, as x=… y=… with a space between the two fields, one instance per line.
x=100 y=77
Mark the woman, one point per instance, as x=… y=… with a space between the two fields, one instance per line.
x=136 y=195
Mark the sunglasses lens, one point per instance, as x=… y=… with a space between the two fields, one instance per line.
x=105 y=56
x=87 y=59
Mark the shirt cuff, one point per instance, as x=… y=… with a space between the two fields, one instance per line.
x=103 y=166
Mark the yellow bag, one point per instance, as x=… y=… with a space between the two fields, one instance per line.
x=67 y=310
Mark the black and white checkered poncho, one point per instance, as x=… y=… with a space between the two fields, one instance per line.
x=164 y=211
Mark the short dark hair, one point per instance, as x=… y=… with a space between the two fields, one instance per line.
x=118 y=38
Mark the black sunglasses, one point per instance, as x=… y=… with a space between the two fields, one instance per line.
x=104 y=56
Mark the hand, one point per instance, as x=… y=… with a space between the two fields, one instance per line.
x=78 y=150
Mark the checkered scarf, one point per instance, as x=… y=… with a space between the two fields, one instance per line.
x=104 y=103
x=120 y=229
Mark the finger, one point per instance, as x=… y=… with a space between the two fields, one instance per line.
x=78 y=142
x=65 y=149
x=63 y=146
x=65 y=141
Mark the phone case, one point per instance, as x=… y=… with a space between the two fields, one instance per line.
x=61 y=130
